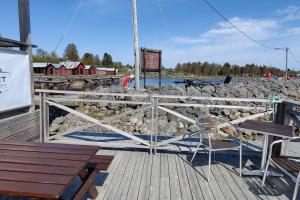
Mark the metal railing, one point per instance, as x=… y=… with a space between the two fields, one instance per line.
x=152 y=102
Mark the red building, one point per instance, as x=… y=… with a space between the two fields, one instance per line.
x=107 y=71
x=93 y=70
x=50 y=70
x=71 y=68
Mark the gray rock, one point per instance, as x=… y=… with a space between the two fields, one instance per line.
x=226 y=112
x=54 y=128
x=58 y=120
x=209 y=89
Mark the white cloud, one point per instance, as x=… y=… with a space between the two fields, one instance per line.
x=290 y=13
x=293 y=31
x=188 y=40
x=223 y=43
x=258 y=29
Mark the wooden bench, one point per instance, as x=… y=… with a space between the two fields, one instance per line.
x=46 y=171
x=96 y=164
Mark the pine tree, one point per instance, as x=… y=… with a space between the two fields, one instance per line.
x=97 y=60
x=71 y=53
x=88 y=59
x=107 y=60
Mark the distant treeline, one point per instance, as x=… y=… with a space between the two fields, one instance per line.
x=213 y=69
x=71 y=54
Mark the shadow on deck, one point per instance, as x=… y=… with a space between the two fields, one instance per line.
x=135 y=174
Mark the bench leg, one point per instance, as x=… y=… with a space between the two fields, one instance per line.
x=88 y=185
x=93 y=192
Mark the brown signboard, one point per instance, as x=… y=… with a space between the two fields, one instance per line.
x=151 y=62
x=151 y=59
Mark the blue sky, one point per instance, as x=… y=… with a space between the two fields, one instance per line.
x=185 y=30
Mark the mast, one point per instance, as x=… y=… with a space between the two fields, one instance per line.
x=136 y=46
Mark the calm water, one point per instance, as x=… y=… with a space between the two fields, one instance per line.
x=172 y=81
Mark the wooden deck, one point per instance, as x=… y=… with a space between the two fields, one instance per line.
x=135 y=174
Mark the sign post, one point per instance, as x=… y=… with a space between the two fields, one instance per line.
x=25 y=37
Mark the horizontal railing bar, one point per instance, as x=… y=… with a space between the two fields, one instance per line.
x=91 y=93
x=61 y=99
x=158 y=96
x=212 y=106
x=216 y=98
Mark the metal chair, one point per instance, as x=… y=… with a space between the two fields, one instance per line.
x=286 y=165
x=208 y=127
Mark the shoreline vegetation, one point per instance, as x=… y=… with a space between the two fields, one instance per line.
x=188 y=69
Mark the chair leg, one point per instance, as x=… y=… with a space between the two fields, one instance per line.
x=195 y=152
x=296 y=187
x=265 y=173
x=209 y=164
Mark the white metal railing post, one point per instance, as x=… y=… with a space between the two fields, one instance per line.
x=152 y=123
x=41 y=96
x=156 y=123
x=45 y=117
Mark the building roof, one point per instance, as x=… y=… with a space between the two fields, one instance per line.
x=56 y=65
x=70 y=65
x=39 y=65
x=87 y=66
x=106 y=69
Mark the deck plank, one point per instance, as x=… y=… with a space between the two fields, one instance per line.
x=197 y=192
x=215 y=188
x=174 y=179
x=127 y=178
x=230 y=181
x=223 y=185
x=165 y=193
x=155 y=178
x=204 y=185
x=117 y=179
x=183 y=180
x=242 y=186
x=114 y=166
x=133 y=192
x=144 y=190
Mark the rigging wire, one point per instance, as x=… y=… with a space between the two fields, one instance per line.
x=68 y=26
x=242 y=32
x=163 y=17
x=294 y=57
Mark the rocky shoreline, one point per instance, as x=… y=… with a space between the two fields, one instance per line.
x=140 y=123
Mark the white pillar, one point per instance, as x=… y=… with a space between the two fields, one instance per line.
x=136 y=46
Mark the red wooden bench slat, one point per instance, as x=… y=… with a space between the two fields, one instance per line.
x=60 y=156
x=102 y=161
x=287 y=165
x=35 y=177
x=42 y=161
x=37 y=190
x=47 y=150
x=51 y=145
x=19 y=167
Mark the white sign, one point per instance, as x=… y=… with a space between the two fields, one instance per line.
x=15 y=84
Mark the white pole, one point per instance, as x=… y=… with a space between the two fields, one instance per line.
x=286 y=63
x=136 y=46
